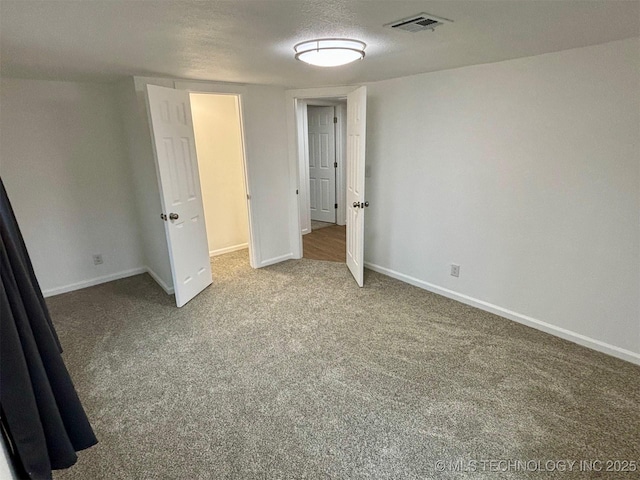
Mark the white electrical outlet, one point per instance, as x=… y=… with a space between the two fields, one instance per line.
x=97 y=259
x=455 y=270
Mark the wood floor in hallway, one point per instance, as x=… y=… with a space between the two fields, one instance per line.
x=327 y=243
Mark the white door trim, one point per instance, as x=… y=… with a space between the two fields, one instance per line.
x=296 y=106
x=341 y=158
x=321 y=128
x=341 y=154
x=304 y=198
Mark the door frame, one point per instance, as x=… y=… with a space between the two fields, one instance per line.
x=297 y=101
x=239 y=92
x=340 y=129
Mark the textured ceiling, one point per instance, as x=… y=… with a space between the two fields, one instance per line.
x=251 y=41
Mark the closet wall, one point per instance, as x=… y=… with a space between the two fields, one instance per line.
x=216 y=124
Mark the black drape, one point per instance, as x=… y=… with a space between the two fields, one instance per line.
x=41 y=412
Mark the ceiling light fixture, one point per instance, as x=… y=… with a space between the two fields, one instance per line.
x=330 y=52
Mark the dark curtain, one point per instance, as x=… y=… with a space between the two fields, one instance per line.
x=41 y=413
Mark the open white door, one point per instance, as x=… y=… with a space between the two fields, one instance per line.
x=356 y=141
x=179 y=180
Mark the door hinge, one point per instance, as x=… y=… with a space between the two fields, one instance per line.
x=335 y=206
x=296 y=192
x=335 y=164
x=163 y=217
x=335 y=119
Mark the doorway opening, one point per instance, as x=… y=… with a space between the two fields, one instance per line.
x=178 y=174
x=354 y=160
x=217 y=128
x=325 y=173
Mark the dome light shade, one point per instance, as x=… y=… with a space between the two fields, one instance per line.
x=330 y=52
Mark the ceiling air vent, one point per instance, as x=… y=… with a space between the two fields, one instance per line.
x=418 y=23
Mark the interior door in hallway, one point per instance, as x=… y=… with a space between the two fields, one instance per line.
x=356 y=203
x=322 y=167
x=179 y=181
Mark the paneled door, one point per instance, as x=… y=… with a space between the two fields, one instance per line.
x=356 y=203
x=179 y=181
x=322 y=168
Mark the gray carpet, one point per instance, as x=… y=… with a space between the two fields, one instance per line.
x=292 y=371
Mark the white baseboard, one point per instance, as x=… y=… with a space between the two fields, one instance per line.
x=271 y=261
x=94 y=281
x=159 y=281
x=574 y=337
x=222 y=251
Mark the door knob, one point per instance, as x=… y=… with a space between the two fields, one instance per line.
x=365 y=204
x=356 y=204
x=173 y=216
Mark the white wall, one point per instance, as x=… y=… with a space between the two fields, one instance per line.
x=525 y=173
x=133 y=111
x=67 y=176
x=268 y=168
x=216 y=124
